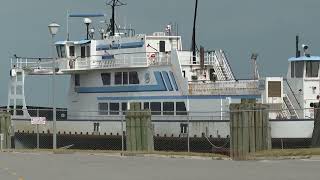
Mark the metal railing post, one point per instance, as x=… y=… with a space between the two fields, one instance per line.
x=122 y=135
x=188 y=122
x=37 y=126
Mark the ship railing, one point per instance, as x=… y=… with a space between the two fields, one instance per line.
x=186 y=58
x=285 y=111
x=32 y=65
x=237 y=87
x=128 y=60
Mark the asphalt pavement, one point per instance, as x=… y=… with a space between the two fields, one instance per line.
x=82 y=166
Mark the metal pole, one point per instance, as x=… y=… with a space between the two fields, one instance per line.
x=221 y=108
x=37 y=136
x=54 y=133
x=188 y=119
x=122 y=135
x=38 y=144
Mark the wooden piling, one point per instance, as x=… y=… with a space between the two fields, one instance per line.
x=5 y=129
x=139 y=131
x=249 y=129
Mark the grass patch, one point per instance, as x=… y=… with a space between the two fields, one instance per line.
x=288 y=152
x=125 y=153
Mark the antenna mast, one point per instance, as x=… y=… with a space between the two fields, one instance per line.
x=114 y=4
x=194 y=34
x=254 y=57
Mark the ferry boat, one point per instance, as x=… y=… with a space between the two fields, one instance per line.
x=183 y=88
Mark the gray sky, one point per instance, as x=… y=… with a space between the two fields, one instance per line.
x=239 y=27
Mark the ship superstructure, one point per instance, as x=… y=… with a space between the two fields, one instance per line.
x=110 y=70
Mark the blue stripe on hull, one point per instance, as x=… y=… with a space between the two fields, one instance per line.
x=122 y=98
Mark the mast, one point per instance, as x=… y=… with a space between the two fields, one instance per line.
x=114 y=4
x=194 y=59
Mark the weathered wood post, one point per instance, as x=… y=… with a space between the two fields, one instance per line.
x=5 y=130
x=249 y=129
x=139 y=129
x=315 y=142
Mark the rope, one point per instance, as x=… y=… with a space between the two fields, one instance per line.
x=217 y=147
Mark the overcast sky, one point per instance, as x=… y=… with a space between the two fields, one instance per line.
x=267 y=27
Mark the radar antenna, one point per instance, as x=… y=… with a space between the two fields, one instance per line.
x=114 y=4
x=254 y=57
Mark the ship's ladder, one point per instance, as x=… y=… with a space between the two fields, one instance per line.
x=16 y=95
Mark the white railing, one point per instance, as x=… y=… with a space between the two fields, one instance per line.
x=224 y=65
x=285 y=112
x=241 y=87
x=217 y=59
x=133 y=60
x=119 y=61
x=290 y=107
x=33 y=65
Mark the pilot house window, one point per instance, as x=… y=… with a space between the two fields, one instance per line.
x=71 y=50
x=299 y=69
x=83 y=51
x=61 y=51
x=312 y=69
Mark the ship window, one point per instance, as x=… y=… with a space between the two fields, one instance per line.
x=103 y=108
x=114 y=108
x=299 y=69
x=274 y=89
x=83 y=51
x=96 y=127
x=125 y=78
x=312 y=69
x=118 y=78
x=58 y=51
x=133 y=77
x=61 y=51
x=106 y=78
x=168 y=108
x=162 y=46
x=124 y=107
x=71 y=50
x=184 y=73
x=77 y=79
x=181 y=108
x=155 y=108
x=146 y=105
x=183 y=128
x=88 y=51
x=292 y=69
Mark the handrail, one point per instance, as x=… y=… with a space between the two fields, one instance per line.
x=293 y=93
x=295 y=112
x=221 y=66
x=228 y=65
